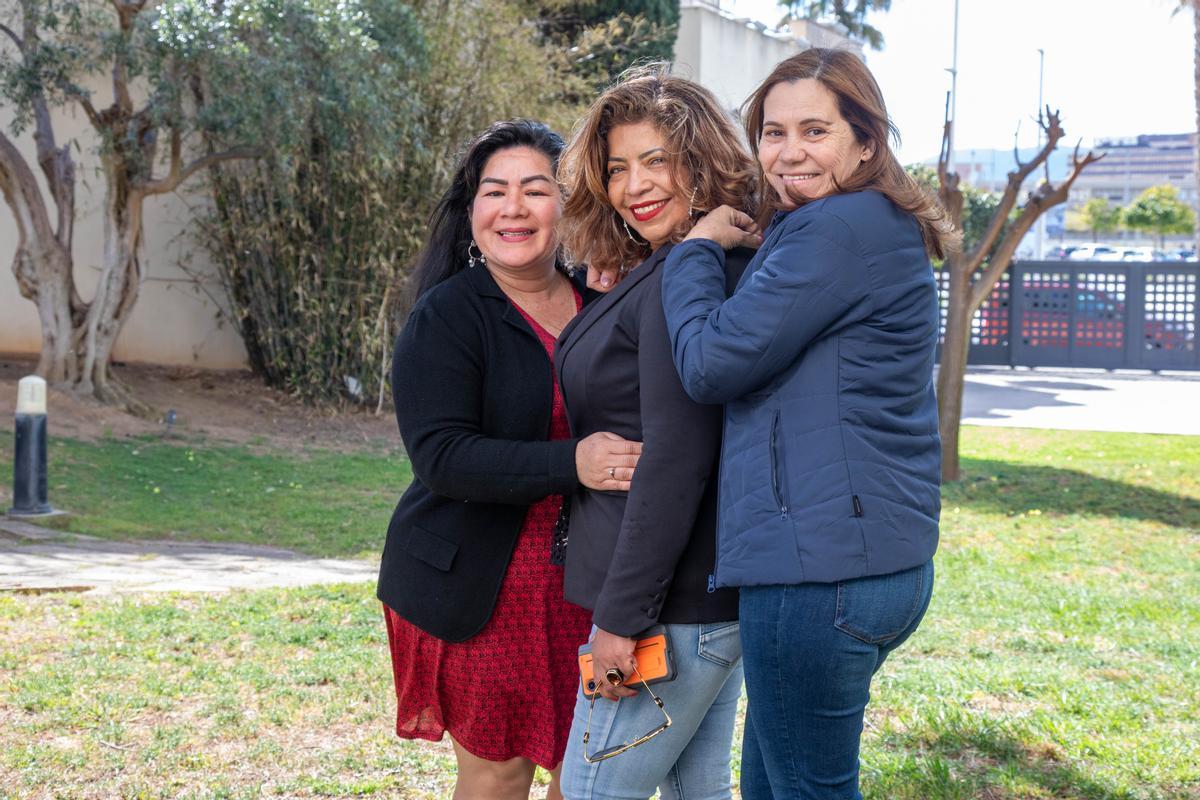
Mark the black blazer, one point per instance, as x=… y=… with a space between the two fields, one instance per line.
x=473 y=391
x=644 y=557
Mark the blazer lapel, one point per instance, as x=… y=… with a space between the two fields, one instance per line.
x=486 y=286
x=605 y=303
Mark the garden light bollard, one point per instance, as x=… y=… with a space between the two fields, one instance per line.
x=29 y=452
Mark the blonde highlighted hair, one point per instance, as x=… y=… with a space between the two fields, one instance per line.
x=705 y=151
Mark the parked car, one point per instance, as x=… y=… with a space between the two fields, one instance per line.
x=1142 y=254
x=1183 y=254
x=1060 y=253
x=1095 y=252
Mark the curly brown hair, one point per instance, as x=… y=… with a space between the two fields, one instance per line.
x=705 y=151
x=861 y=104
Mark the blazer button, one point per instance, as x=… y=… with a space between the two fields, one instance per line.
x=652 y=613
x=658 y=598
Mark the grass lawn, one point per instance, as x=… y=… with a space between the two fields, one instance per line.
x=317 y=502
x=1060 y=657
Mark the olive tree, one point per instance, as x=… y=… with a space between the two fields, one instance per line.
x=51 y=55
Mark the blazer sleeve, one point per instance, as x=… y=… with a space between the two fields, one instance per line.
x=437 y=388
x=679 y=450
x=808 y=284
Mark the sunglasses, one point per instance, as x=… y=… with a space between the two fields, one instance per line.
x=609 y=752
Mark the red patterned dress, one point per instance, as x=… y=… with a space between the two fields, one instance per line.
x=510 y=690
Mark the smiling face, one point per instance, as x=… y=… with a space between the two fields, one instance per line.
x=806 y=144
x=515 y=210
x=640 y=185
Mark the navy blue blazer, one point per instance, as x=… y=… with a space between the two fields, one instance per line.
x=642 y=557
x=823 y=355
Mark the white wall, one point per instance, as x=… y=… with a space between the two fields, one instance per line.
x=172 y=323
x=726 y=55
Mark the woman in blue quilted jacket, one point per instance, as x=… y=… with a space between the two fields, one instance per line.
x=823 y=357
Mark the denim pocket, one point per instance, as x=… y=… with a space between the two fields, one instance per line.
x=879 y=608
x=720 y=643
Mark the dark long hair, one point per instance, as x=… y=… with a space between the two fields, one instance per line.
x=861 y=104
x=445 y=250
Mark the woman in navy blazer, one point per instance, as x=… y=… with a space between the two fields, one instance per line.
x=635 y=187
x=823 y=356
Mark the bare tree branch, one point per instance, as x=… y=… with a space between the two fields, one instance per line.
x=126 y=12
x=179 y=173
x=1039 y=202
x=120 y=80
x=13 y=35
x=1008 y=200
x=85 y=103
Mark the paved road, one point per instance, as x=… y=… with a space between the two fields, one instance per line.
x=1083 y=400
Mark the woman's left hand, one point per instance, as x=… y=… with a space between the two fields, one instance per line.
x=728 y=227
x=610 y=650
x=603 y=280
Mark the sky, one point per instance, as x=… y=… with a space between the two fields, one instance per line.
x=1114 y=68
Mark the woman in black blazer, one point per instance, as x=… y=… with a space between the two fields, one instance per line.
x=635 y=185
x=466 y=577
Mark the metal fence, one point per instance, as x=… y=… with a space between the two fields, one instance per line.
x=1088 y=314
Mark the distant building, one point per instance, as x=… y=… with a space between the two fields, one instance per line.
x=731 y=55
x=988 y=168
x=1132 y=165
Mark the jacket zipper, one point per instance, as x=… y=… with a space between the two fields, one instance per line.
x=712 y=578
x=783 y=511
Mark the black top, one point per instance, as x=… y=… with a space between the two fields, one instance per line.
x=642 y=557
x=473 y=391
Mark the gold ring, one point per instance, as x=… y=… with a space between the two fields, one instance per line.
x=612 y=473
x=614 y=676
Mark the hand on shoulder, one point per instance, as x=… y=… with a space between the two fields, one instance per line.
x=728 y=227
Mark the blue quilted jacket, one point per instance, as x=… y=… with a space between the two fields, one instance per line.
x=823 y=357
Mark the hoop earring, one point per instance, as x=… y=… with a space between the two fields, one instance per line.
x=629 y=233
x=475 y=260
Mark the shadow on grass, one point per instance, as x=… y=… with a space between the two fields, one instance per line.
x=1006 y=487
x=957 y=756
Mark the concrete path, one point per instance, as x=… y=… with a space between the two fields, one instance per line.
x=34 y=560
x=1083 y=400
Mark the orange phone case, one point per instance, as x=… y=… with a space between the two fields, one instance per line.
x=652 y=653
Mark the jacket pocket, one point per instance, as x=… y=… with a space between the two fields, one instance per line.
x=777 y=467
x=430 y=548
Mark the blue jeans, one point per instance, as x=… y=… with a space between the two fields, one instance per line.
x=810 y=652
x=690 y=759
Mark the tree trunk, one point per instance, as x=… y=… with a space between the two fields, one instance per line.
x=117 y=289
x=77 y=338
x=41 y=264
x=953 y=367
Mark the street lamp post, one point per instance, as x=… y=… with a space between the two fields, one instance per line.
x=29 y=450
x=1041 y=223
x=953 y=70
